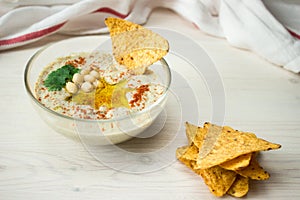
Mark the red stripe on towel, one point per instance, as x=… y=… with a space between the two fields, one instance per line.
x=46 y=31
x=31 y=36
x=294 y=34
x=111 y=11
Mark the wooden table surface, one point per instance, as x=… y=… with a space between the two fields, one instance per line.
x=38 y=163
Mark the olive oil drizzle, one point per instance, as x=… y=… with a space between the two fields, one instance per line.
x=108 y=95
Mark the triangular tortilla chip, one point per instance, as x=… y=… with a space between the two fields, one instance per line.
x=254 y=170
x=180 y=156
x=117 y=26
x=190 y=131
x=237 y=163
x=180 y=151
x=195 y=134
x=135 y=46
x=212 y=134
x=191 y=153
x=231 y=144
x=240 y=187
x=218 y=180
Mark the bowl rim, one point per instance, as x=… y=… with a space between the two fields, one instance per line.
x=132 y=114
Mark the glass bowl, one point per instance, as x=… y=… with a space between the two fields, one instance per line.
x=95 y=132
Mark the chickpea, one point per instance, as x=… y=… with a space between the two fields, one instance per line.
x=71 y=87
x=98 y=84
x=87 y=87
x=89 y=78
x=85 y=71
x=95 y=83
x=95 y=74
x=77 y=78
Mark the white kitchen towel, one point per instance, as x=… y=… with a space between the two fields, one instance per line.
x=245 y=24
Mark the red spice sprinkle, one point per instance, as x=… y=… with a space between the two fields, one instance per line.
x=80 y=61
x=71 y=63
x=137 y=97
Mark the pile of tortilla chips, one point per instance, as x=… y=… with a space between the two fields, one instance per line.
x=225 y=158
x=135 y=46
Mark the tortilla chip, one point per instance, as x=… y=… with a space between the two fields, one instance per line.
x=212 y=134
x=240 y=187
x=191 y=153
x=179 y=155
x=191 y=132
x=254 y=170
x=187 y=152
x=182 y=155
x=180 y=151
x=134 y=46
x=195 y=134
x=227 y=157
x=237 y=163
x=231 y=144
x=117 y=26
x=218 y=180
x=189 y=163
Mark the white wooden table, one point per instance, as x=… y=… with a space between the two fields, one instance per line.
x=38 y=163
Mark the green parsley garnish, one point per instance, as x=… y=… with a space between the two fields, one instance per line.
x=57 y=79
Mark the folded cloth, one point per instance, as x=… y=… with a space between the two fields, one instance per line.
x=245 y=24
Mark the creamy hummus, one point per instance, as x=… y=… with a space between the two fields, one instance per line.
x=102 y=89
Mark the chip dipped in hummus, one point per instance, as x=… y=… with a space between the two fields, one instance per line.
x=135 y=46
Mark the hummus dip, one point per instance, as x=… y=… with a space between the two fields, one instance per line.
x=101 y=89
